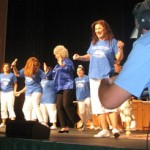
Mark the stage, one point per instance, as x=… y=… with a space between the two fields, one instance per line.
x=77 y=140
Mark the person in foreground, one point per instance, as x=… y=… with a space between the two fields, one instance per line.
x=134 y=76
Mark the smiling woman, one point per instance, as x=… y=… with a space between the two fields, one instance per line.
x=104 y=48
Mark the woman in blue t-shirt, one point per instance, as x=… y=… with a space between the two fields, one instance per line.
x=104 y=48
x=33 y=89
x=48 y=99
x=83 y=97
x=8 y=87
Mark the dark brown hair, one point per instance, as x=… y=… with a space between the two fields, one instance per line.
x=107 y=31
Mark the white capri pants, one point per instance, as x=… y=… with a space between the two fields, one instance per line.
x=97 y=107
x=7 y=105
x=49 y=112
x=32 y=107
x=84 y=108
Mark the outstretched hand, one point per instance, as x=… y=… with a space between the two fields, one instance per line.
x=76 y=57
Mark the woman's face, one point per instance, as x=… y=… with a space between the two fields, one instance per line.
x=80 y=72
x=36 y=66
x=6 y=69
x=99 y=31
x=57 y=56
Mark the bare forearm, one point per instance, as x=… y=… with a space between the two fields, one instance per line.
x=85 y=57
x=15 y=87
x=15 y=70
x=111 y=95
x=120 y=55
x=23 y=90
x=82 y=58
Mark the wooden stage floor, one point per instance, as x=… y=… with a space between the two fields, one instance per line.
x=136 y=141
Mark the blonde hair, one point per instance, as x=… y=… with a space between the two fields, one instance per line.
x=61 y=50
x=29 y=68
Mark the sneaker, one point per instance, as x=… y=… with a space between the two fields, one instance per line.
x=115 y=133
x=53 y=127
x=133 y=125
x=91 y=126
x=103 y=133
x=110 y=127
x=2 y=125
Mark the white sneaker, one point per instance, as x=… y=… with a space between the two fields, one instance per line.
x=103 y=133
x=133 y=125
x=110 y=127
x=91 y=126
x=53 y=127
x=2 y=125
x=115 y=133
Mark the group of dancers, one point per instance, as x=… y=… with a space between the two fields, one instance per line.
x=51 y=92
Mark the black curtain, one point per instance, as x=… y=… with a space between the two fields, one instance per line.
x=35 y=27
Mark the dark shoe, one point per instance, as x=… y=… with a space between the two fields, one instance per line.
x=115 y=133
x=64 y=130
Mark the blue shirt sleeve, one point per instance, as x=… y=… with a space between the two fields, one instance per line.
x=135 y=75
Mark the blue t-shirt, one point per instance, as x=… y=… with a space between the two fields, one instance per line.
x=63 y=76
x=102 y=56
x=48 y=95
x=33 y=83
x=7 y=82
x=135 y=74
x=82 y=87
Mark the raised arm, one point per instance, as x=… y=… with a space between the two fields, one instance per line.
x=120 y=55
x=15 y=70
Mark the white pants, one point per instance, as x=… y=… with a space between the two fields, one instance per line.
x=84 y=108
x=49 y=112
x=97 y=107
x=32 y=107
x=7 y=105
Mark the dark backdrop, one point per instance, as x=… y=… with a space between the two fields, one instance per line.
x=35 y=27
